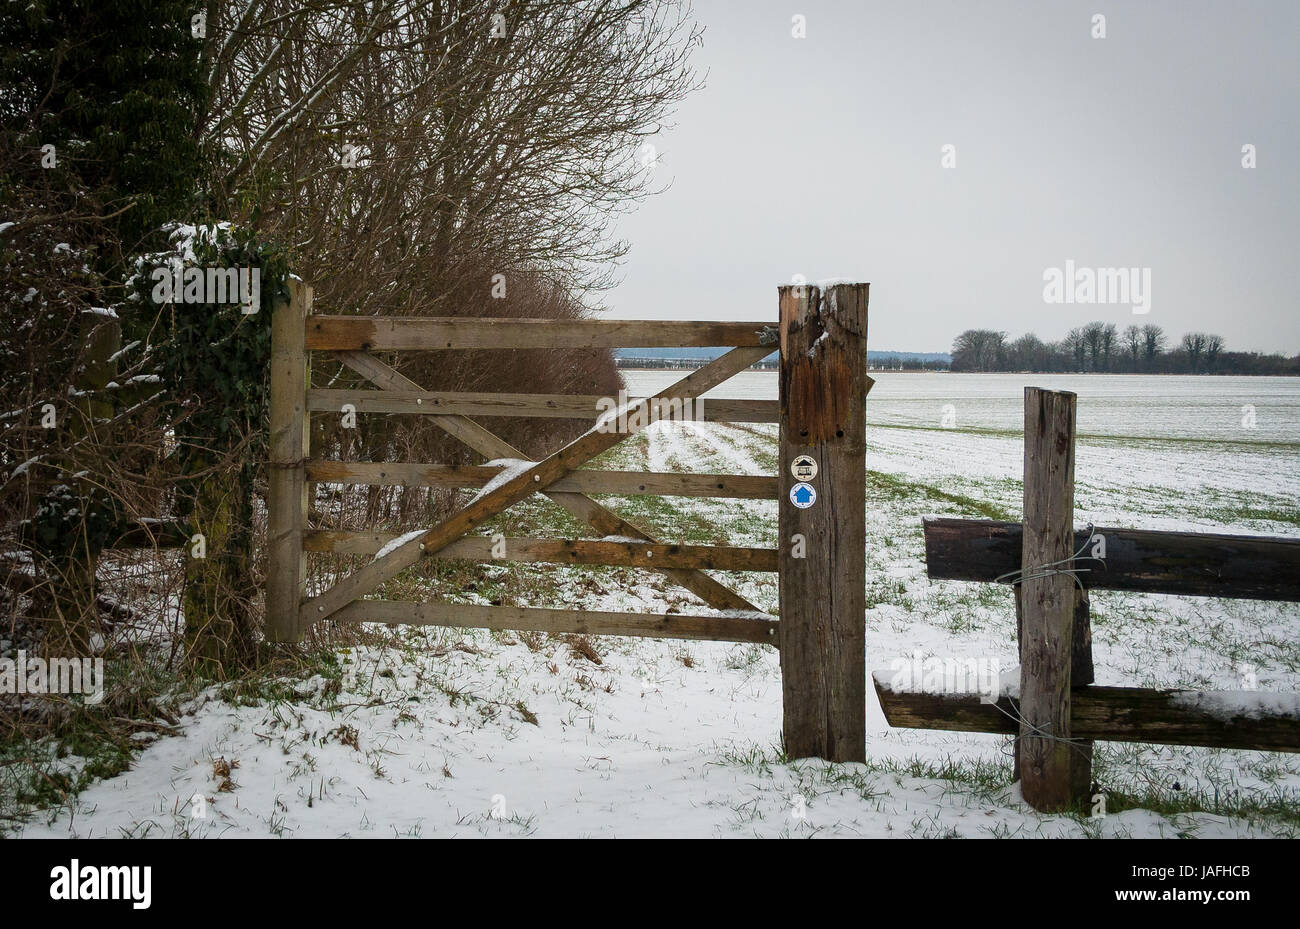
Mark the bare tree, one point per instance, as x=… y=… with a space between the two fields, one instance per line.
x=979 y=350
x=1094 y=335
x=449 y=157
x=446 y=157
x=1028 y=353
x=1132 y=341
x=1193 y=346
x=1153 y=341
x=1213 y=348
x=1109 y=340
x=404 y=146
x=1075 y=345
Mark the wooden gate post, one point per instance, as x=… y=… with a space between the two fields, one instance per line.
x=1048 y=765
x=286 y=568
x=822 y=521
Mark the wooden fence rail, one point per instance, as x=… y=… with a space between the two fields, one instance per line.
x=1196 y=564
x=1215 y=719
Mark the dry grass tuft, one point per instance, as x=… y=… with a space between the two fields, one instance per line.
x=221 y=769
x=581 y=647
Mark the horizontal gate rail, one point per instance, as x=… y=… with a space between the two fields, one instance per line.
x=758 y=628
x=1187 y=563
x=531 y=406
x=622 y=483
x=628 y=554
x=1225 y=719
x=374 y=334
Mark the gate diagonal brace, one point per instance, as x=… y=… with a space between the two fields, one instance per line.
x=600 y=518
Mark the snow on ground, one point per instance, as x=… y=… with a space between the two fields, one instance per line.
x=671 y=751
x=471 y=733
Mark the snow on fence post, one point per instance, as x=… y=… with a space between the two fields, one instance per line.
x=1050 y=765
x=822 y=520
x=286 y=569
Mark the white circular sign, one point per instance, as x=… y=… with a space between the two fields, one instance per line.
x=803 y=495
x=804 y=468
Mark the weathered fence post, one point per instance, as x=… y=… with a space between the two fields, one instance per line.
x=822 y=520
x=1049 y=765
x=1081 y=675
x=286 y=573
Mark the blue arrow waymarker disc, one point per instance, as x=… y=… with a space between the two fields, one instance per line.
x=803 y=495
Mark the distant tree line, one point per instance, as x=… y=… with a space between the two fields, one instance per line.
x=1099 y=347
x=893 y=363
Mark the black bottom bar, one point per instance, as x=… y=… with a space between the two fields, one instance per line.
x=213 y=883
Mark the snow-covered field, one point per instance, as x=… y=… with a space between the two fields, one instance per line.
x=450 y=732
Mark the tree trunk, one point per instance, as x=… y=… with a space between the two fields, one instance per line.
x=217 y=601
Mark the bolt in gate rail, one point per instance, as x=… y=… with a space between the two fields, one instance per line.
x=819 y=561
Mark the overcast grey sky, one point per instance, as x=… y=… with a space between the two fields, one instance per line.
x=822 y=157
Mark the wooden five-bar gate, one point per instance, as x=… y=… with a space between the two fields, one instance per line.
x=820 y=559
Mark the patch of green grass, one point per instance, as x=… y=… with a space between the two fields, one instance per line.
x=660 y=517
x=56 y=747
x=763 y=450
x=986 y=780
x=272 y=685
x=812 y=777
x=1275 y=808
x=628 y=455
x=1242 y=512
x=1271 y=806
x=887 y=590
x=893 y=487
x=32 y=776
